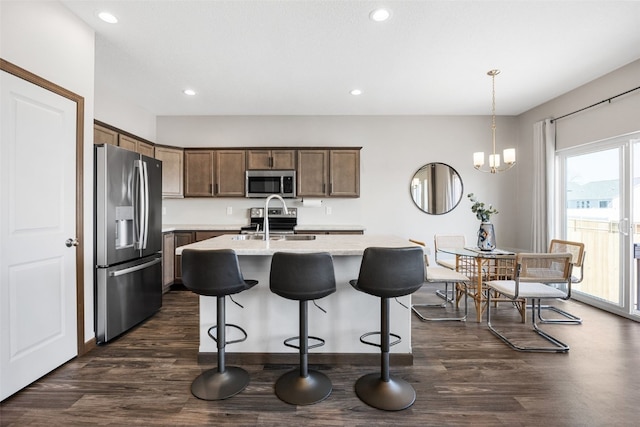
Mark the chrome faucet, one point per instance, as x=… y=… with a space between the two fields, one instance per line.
x=266 y=214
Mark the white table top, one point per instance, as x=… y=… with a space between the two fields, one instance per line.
x=478 y=253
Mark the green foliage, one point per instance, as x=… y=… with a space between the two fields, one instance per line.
x=482 y=213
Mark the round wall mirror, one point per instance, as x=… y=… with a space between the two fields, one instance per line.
x=436 y=188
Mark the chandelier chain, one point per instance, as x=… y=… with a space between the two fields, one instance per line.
x=493 y=73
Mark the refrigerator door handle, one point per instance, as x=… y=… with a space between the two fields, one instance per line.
x=134 y=268
x=137 y=204
x=145 y=206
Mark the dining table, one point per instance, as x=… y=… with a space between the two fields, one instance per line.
x=481 y=266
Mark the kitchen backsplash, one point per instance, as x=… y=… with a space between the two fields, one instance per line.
x=234 y=211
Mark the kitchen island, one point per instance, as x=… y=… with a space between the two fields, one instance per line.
x=270 y=319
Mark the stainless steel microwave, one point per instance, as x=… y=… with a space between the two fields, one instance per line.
x=263 y=183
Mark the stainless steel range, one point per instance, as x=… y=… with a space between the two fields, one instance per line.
x=279 y=222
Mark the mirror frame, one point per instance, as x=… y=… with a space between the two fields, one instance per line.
x=452 y=172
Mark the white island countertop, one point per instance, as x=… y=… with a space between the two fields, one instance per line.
x=336 y=245
x=269 y=319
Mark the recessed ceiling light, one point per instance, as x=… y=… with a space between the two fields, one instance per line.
x=108 y=17
x=379 y=15
x=189 y=92
x=356 y=92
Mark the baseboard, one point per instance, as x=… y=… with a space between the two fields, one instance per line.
x=357 y=359
x=87 y=347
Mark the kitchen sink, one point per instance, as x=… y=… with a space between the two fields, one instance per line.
x=248 y=237
x=299 y=237
x=294 y=237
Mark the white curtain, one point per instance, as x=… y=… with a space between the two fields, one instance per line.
x=544 y=147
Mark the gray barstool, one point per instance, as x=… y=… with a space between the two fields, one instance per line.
x=216 y=273
x=302 y=277
x=388 y=273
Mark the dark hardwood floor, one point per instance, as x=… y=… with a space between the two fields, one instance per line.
x=462 y=374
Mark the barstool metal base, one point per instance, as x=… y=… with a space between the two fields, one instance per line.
x=214 y=385
x=393 y=395
x=297 y=390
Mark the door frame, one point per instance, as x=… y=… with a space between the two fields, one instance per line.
x=79 y=100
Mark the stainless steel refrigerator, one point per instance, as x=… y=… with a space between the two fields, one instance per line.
x=128 y=239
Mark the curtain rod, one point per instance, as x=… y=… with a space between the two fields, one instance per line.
x=597 y=103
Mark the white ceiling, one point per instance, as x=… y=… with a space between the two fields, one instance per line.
x=296 y=57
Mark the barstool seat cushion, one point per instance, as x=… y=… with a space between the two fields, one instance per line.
x=391 y=272
x=302 y=276
x=213 y=272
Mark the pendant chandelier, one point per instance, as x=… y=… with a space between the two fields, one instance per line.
x=509 y=154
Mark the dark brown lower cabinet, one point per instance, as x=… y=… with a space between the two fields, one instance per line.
x=172 y=268
x=168 y=261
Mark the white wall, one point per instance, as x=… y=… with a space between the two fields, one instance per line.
x=123 y=113
x=393 y=148
x=620 y=117
x=46 y=39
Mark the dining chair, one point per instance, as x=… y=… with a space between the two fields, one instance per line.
x=447 y=241
x=534 y=273
x=576 y=249
x=446 y=276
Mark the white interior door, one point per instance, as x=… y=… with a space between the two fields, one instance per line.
x=37 y=216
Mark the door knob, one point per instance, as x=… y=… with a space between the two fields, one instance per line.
x=72 y=242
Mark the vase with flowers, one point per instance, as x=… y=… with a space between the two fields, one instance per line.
x=486 y=233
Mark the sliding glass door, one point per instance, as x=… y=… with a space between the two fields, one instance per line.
x=597 y=193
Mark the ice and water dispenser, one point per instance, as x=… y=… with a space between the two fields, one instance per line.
x=124 y=227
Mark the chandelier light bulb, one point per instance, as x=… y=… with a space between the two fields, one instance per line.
x=509 y=155
x=478 y=158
